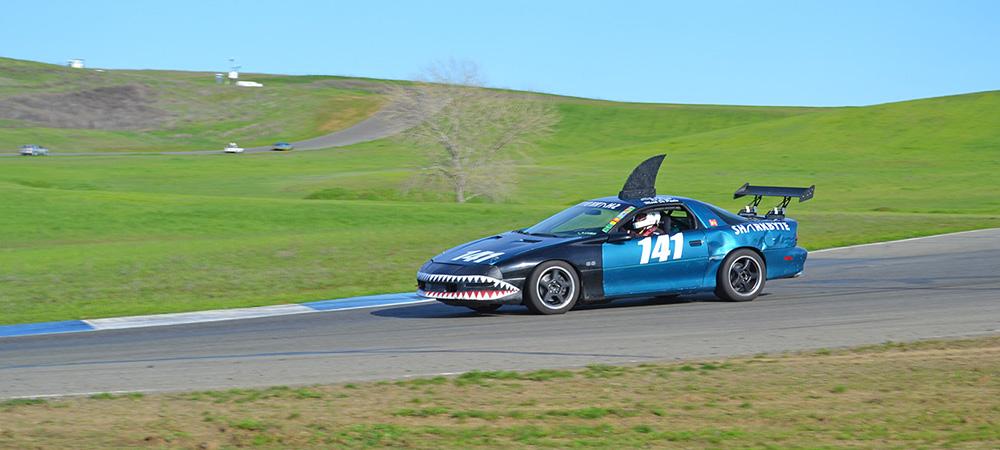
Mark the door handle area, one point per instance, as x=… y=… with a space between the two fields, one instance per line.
x=696 y=243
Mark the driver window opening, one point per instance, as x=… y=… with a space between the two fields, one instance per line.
x=670 y=220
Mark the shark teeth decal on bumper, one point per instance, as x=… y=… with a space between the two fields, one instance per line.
x=496 y=289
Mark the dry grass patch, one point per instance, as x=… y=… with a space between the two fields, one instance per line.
x=348 y=111
x=893 y=396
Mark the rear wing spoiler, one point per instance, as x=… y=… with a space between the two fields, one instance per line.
x=759 y=192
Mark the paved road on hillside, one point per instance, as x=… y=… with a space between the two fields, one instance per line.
x=939 y=287
x=387 y=122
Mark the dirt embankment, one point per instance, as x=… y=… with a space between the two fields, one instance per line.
x=119 y=107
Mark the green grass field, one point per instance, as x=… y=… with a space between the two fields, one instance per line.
x=103 y=236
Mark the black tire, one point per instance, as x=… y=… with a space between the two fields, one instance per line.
x=552 y=288
x=485 y=309
x=741 y=276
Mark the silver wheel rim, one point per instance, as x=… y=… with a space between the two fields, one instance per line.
x=745 y=275
x=555 y=287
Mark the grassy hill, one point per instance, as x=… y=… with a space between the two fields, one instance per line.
x=79 y=110
x=99 y=236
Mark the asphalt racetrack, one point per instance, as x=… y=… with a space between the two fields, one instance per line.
x=929 y=288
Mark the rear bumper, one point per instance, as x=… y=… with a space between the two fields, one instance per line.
x=785 y=262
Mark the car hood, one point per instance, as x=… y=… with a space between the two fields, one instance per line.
x=495 y=249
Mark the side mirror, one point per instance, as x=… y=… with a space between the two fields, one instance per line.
x=619 y=236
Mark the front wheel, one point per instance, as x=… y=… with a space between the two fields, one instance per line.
x=552 y=288
x=741 y=276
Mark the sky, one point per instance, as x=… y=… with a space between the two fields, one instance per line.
x=729 y=52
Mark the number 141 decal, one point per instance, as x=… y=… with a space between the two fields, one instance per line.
x=659 y=248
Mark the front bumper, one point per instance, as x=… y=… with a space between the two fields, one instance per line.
x=466 y=288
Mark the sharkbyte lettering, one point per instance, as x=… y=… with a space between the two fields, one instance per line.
x=760 y=226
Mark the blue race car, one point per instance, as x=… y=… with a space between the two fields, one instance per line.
x=634 y=245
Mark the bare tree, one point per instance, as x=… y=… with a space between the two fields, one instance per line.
x=470 y=135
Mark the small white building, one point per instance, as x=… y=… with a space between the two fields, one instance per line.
x=75 y=63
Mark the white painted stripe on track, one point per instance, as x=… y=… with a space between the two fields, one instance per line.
x=117 y=323
x=921 y=238
x=343 y=304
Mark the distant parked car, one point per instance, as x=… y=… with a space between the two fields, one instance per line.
x=233 y=148
x=282 y=146
x=34 y=150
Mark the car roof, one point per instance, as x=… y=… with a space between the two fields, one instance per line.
x=705 y=213
x=646 y=201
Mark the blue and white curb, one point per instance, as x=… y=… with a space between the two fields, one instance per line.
x=210 y=316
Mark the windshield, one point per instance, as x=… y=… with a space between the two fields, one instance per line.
x=585 y=219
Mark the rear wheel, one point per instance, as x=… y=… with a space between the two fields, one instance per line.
x=552 y=288
x=741 y=276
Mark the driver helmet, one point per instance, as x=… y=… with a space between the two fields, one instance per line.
x=643 y=220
